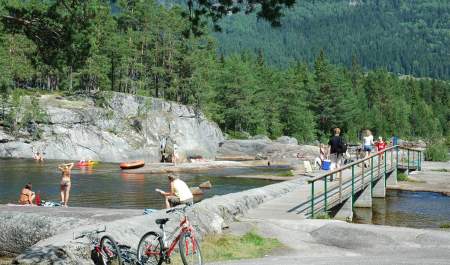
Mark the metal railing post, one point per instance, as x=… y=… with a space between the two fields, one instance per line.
x=353 y=182
x=407 y=167
x=312 y=199
x=396 y=150
x=340 y=189
x=420 y=160
x=385 y=168
x=326 y=194
x=371 y=173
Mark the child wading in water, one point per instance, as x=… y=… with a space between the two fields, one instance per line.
x=65 y=182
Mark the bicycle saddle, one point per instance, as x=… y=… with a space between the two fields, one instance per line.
x=161 y=221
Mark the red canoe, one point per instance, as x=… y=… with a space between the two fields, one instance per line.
x=132 y=164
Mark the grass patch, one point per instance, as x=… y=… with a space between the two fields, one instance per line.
x=402 y=177
x=322 y=215
x=445 y=225
x=231 y=247
x=286 y=174
x=441 y=170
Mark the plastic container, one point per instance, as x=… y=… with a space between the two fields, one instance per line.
x=326 y=164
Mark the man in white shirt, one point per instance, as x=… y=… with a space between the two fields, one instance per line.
x=179 y=192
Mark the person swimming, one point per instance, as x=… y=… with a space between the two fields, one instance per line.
x=26 y=195
x=65 y=182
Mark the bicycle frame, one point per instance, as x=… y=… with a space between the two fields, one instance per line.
x=185 y=227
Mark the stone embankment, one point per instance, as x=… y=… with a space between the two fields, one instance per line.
x=56 y=229
x=114 y=127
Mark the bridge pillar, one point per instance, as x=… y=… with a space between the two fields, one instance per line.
x=365 y=198
x=392 y=178
x=379 y=190
x=346 y=211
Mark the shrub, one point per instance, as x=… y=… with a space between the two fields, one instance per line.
x=402 y=177
x=437 y=152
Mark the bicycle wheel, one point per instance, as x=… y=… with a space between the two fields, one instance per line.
x=149 y=249
x=110 y=251
x=190 y=250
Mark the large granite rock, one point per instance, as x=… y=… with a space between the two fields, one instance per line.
x=126 y=127
x=283 y=149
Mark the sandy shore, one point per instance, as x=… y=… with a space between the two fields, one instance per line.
x=434 y=177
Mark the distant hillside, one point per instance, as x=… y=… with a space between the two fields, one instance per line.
x=406 y=37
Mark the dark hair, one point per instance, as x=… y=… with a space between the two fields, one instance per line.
x=28 y=186
x=172 y=177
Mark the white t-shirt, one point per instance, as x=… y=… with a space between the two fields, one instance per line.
x=368 y=140
x=181 y=190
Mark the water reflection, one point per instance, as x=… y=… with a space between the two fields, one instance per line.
x=104 y=185
x=405 y=208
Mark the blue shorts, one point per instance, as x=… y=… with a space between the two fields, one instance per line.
x=368 y=148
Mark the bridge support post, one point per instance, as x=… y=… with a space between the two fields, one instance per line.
x=346 y=211
x=379 y=190
x=365 y=198
x=392 y=178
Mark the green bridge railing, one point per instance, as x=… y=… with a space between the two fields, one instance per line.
x=380 y=164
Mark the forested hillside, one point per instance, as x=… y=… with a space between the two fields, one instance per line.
x=142 y=49
x=404 y=36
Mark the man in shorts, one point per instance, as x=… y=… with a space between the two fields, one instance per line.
x=179 y=192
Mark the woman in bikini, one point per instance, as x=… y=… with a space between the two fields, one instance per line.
x=26 y=195
x=65 y=182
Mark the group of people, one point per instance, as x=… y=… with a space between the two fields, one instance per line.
x=38 y=156
x=27 y=196
x=338 y=147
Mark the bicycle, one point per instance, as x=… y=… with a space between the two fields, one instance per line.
x=105 y=251
x=154 y=248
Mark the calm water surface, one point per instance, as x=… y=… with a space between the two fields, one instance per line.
x=105 y=186
x=406 y=208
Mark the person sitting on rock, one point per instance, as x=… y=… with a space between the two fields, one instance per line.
x=26 y=195
x=179 y=192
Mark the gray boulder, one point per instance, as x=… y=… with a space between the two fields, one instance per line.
x=286 y=140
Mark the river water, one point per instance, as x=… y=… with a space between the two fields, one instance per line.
x=408 y=209
x=105 y=186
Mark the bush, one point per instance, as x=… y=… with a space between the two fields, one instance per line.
x=402 y=177
x=437 y=152
x=238 y=135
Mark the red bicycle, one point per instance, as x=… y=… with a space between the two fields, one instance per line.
x=154 y=248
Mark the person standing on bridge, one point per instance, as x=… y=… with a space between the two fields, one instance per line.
x=338 y=147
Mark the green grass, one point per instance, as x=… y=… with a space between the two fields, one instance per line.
x=402 y=177
x=286 y=174
x=445 y=225
x=322 y=215
x=231 y=247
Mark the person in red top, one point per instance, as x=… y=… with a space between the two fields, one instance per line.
x=380 y=145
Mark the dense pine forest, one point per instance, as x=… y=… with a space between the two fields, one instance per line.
x=143 y=48
x=403 y=36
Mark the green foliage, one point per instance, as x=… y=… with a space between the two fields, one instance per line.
x=437 y=152
x=402 y=36
x=322 y=215
x=289 y=173
x=445 y=226
x=402 y=177
x=85 y=49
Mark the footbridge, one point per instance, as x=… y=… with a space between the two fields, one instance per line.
x=336 y=192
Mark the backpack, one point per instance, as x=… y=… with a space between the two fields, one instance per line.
x=342 y=148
